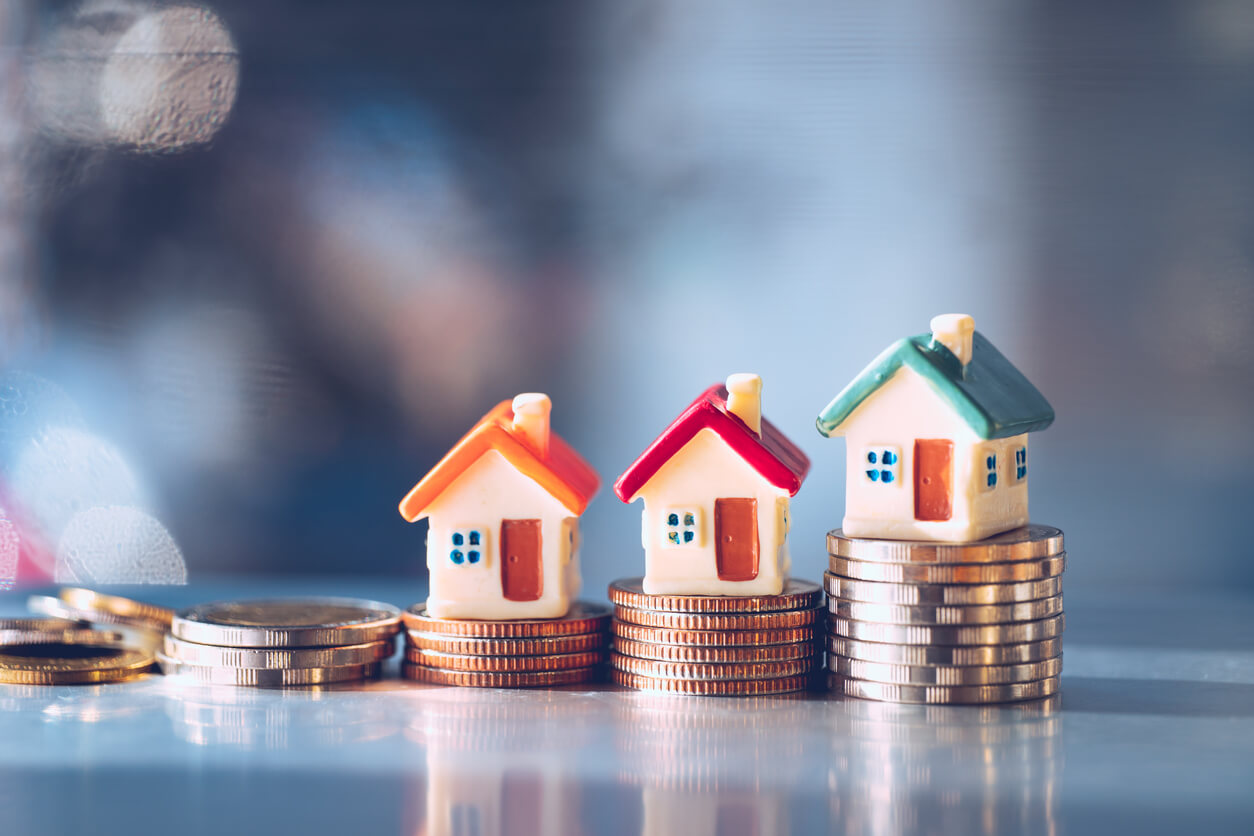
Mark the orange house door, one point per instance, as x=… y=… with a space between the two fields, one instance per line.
x=736 y=539
x=522 y=569
x=933 y=479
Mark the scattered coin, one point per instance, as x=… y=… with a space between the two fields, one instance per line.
x=797 y=595
x=207 y=655
x=721 y=688
x=52 y=631
x=712 y=638
x=939 y=694
x=711 y=621
x=1024 y=631
x=296 y=622
x=1026 y=543
x=503 y=664
x=912 y=654
x=959 y=573
x=942 y=614
x=578 y=643
x=263 y=678
x=57 y=663
x=709 y=671
x=583 y=617
x=944 y=674
x=87 y=600
x=698 y=653
x=909 y=594
x=490 y=679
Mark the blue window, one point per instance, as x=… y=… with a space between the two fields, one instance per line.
x=882 y=464
x=1021 y=463
x=682 y=528
x=467 y=546
x=989 y=462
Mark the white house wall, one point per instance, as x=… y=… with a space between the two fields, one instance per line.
x=486 y=493
x=703 y=470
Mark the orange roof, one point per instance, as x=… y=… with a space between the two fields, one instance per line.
x=563 y=472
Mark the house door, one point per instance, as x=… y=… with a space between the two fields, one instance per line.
x=933 y=479
x=736 y=539
x=522 y=570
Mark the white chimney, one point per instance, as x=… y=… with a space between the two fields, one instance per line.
x=531 y=420
x=954 y=331
x=744 y=399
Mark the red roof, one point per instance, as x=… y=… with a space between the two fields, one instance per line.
x=563 y=472
x=771 y=454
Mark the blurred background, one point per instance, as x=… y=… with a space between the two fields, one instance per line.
x=261 y=264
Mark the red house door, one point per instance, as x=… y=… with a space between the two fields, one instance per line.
x=522 y=568
x=736 y=539
x=933 y=479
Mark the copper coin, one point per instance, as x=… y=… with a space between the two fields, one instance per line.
x=943 y=614
x=689 y=653
x=711 y=670
x=1026 y=543
x=797 y=595
x=578 y=643
x=954 y=595
x=288 y=622
x=981 y=573
x=262 y=678
x=912 y=654
x=713 y=688
x=503 y=664
x=1017 y=633
x=944 y=695
x=497 y=679
x=55 y=663
x=260 y=658
x=583 y=617
x=712 y=638
x=52 y=631
x=115 y=605
x=713 y=621
x=944 y=674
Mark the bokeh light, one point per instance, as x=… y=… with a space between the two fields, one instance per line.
x=118 y=545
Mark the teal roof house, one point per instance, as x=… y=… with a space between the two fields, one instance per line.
x=936 y=433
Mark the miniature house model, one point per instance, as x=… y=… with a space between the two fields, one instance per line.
x=504 y=508
x=716 y=487
x=936 y=430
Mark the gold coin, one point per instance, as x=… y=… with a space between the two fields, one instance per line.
x=710 y=671
x=115 y=605
x=56 y=608
x=713 y=688
x=578 y=643
x=940 y=694
x=496 y=679
x=928 y=573
x=954 y=595
x=503 y=664
x=797 y=595
x=944 y=674
x=689 y=653
x=1026 y=543
x=213 y=656
x=874 y=631
x=912 y=654
x=712 y=638
x=583 y=617
x=941 y=614
x=52 y=631
x=71 y=664
x=262 y=678
x=712 y=621
x=291 y=622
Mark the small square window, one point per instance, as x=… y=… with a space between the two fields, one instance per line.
x=881 y=464
x=1021 y=464
x=683 y=527
x=468 y=546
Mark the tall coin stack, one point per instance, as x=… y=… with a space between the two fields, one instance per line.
x=281 y=642
x=927 y=622
x=716 y=645
x=506 y=654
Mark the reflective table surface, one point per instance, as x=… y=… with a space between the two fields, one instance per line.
x=1153 y=732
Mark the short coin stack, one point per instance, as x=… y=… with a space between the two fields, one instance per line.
x=506 y=654
x=281 y=642
x=716 y=645
x=54 y=651
x=926 y=622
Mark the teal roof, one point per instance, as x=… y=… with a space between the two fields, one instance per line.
x=990 y=394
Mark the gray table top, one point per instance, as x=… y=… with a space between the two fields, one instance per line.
x=1154 y=732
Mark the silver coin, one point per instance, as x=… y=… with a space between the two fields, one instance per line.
x=944 y=674
x=940 y=694
x=941 y=614
x=266 y=678
x=208 y=655
x=1026 y=543
x=954 y=595
x=913 y=654
x=948 y=573
x=1017 y=633
x=294 y=622
x=54 y=607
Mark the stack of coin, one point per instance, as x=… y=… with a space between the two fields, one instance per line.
x=281 y=642
x=927 y=622
x=506 y=654
x=54 y=651
x=716 y=645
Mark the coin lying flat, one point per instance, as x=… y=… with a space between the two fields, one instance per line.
x=712 y=638
x=263 y=678
x=718 y=621
x=942 y=614
x=1023 y=631
x=797 y=595
x=503 y=664
x=496 y=679
x=690 y=653
x=583 y=617
x=282 y=622
x=466 y=646
x=954 y=595
x=1026 y=543
x=912 y=654
x=944 y=674
x=118 y=607
x=712 y=688
x=71 y=664
x=711 y=671
x=939 y=694
x=929 y=573
x=52 y=631
x=208 y=655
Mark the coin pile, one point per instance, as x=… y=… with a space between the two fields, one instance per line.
x=140 y=624
x=281 y=642
x=716 y=645
x=55 y=651
x=506 y=654
x=926 y=622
